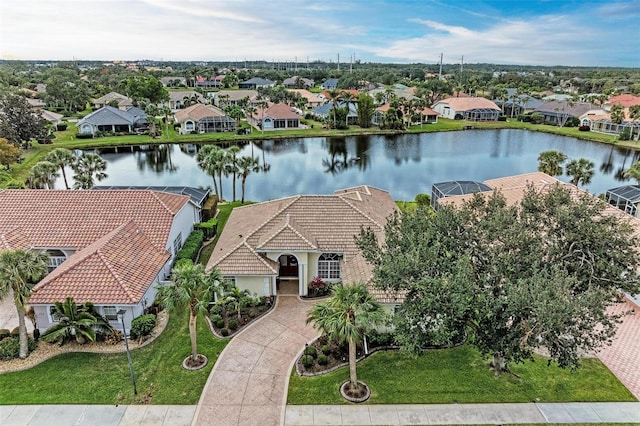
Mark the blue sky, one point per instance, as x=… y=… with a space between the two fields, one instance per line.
x=554 y=32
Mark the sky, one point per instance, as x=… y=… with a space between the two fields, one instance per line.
x=522 y=32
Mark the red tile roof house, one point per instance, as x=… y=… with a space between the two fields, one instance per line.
x=427 y=115
x=301 y=237
x=199 y=118
x=474 y=109
x=108 y=247
x=275 y=117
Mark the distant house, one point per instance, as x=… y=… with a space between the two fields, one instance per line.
x=207 y=83
x=114 y=120
x=313 y=100
x=122 y=102
x=111 y=248
x=385 y=94
x=600 y=121
x=52 y=117
x=235 y=97
x=36 y=104
x=426 y=116
x=329 y=84
x=517 y=103
x=274 y=117
x=626 y=198
x=473 y=109
x=201 y=118
x=298 y=83
x=177 y=98
x=558 y=112
x=626 y=100
x=325 y=111
x=173 y=81
x=255 y=83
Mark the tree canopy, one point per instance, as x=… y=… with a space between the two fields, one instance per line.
x=19 y=124
x=514 y=278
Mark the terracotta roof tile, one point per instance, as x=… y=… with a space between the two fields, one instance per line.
x=466 y=104
x=198 y=112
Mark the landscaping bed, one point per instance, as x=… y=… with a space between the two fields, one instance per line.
x=226 y=322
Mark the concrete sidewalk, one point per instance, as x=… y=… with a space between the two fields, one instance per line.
x=445 y=414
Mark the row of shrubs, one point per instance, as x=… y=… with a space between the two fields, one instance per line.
x=311 y=354
x=10 y=347
x=209 y=228
x=191 y=246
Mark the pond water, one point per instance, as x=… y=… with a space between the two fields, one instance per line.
x=405 y=165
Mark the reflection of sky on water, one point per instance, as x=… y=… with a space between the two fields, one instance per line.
x=405 y=165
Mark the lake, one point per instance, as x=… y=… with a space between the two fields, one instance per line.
x=405 y=165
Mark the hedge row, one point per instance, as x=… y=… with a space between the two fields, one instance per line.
x=191 y=246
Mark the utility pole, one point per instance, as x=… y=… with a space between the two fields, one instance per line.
x=440 y=75
x=338 y=62
x=296 y=66
x=461 y=63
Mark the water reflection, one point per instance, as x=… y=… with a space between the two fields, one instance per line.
x=405 y=165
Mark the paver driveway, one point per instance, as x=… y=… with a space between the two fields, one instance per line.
x=623 y=356
x=248 y=385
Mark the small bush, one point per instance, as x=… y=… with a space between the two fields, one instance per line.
x=208 y=228
x=219 y=323
x=113 y=338
x=307 y=361
x=4 y=333
x=61 y=126
x=224 y=332
x=322 y=359
x=84 y=136
x=10 y=347
x=215 y=318
x=311 y=351
x=191 y=246
x=233 y=324
x=537 y=118
x=584 y=128
x=142 y=326
x=502 y=118
x=326 y=349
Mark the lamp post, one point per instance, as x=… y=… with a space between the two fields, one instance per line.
x=120 y=315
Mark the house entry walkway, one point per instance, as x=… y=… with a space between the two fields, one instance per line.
x=248 y=384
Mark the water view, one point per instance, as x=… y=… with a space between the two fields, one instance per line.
x=405 y=165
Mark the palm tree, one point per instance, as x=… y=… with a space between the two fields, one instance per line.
x=232 y=165
x=43 y=175
x=204 y=159
x=550 y=162
x=348 y=99
x=76 y=322
x=236 y=298
x=617 y=114
x=62 y=158
x=581 y=171
x=334 y=97
x=634 y=114
x=194 y=287
x=345 y=317
x=633 y=172
x=88 y=168
x=246 y=166
x=19 y=271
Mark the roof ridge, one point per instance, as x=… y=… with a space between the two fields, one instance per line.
x=113 y=273
x=263 y=224
x=381 y=226
x=251 y=250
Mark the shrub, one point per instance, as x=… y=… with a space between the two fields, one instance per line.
x=113 y=338
x=61 y=126
x=84 y=136
x=224 y=332
x=423 y=200
x=215 y=318
x=537 y=118
x=10 y=347
x=326 y=349
x=311 y=351
x=4 y=333
x=322 y=359
x=219 y=323
x=142 y=326
x=233 y=324
x=381 y=338
x=307 y=361
x=625 y=134
x=208 y=228
x=584 y=128
x=502 y=118
x=191 y=246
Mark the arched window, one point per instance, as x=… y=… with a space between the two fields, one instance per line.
x=329 y=266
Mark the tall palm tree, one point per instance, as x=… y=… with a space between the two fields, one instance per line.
x=550 y=162
x=633 y=172
x=43 y=175
x=194 y=287
x=89 y=168
x=334 y=97
x=204 y=159
x=20 y=270
x=348 y=99
x=246 y=166
x=345 y=317
x=232 y=166
x=581 y=171
x=62 y=158
x=76 y=322
x=617 y=113
x=634 y=114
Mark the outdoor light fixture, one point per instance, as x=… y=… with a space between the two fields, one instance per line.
x=120 y=315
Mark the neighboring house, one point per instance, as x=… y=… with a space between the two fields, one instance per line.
x=41 y=88
x=557 y=97
x=52 y=117
x=470 y=108
x=173 y=81
x=177 y=98
x=387 y=94
x=111 y=98
x=600 y=121
x=201 y=118
x=36 y=104
x=313 y=100
x=625 y=100
x=301 y=237
x=517 y=103
x=329 y=84
x=114 y=120
x=427 y=116
x=274 y=117
x=325 y=111
x=626 y=198
x=207 y=83
x=111 y=248
x=255 y=83
x=557 y=112
x=298 y=83
x=235 y=97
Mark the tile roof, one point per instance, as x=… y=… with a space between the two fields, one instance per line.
x=277 y=111
x=626 y=100
x=117 y=268
x=198 y=112
x=236 y=95
x=114 y=96
x=108 y=115
x=468 y=103
x=111 y=231
x=571 y=108
x=320 y=223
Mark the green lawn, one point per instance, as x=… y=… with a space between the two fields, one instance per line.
x=84 y=378
x=460 y=375
x=223 y=215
